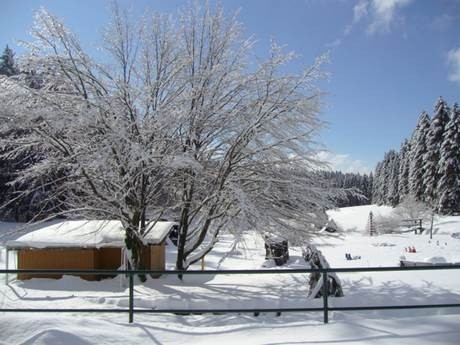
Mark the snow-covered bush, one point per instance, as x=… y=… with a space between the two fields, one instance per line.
x=411 y=208
x=408 y=209
x=387 y=224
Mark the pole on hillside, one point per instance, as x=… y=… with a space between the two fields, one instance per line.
x=371 y=224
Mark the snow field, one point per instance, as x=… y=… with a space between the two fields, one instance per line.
x=421 y=326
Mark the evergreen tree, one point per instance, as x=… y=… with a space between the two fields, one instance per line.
x=434 y=141
x=417 y=154
x=386 y=175
x=7 y=64
x=356 y=189
x=385 y=180
x=370 y=187
x=448 y=187
x=393 y=178
x=427 y=168
x=404 y=164
x=377 y=186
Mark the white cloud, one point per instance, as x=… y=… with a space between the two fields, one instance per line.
x=384 y=14
x=334 y=44
x=343 y=162
x=378 y=15
x=381 y=14
x=453 y=58
x=360 y=10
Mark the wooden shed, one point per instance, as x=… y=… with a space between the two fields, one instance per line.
x=83 y=244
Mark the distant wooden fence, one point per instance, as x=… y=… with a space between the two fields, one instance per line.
x=415 y=223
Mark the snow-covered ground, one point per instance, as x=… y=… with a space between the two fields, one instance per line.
x=424 y=326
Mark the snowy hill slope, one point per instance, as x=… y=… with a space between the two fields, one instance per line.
x=355 y=218
x=388 y=249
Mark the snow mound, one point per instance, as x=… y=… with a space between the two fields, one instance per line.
x=436 y=260
x=383 y=244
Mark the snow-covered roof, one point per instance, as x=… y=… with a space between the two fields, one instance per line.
x=87 y=234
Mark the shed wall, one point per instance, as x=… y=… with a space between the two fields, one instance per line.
x=157 y=257
x=56 y=259
x=152 y=257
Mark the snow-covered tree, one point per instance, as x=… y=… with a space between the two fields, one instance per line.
x=448 y=187
x=417 y=154
x=175 y=119
x=7 y=64
x=404 y=167
x=377 y=185
x=385 y=180
x=410 y=208
x=370 y=187
x=393 y=178
x=17 y=205
x=431 y=158
x=351 y=189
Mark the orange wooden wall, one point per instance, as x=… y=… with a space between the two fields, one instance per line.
x=152 y=257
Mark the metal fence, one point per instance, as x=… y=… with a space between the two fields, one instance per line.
x=325 y=309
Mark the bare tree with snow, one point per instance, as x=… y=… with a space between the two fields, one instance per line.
x=175 y=118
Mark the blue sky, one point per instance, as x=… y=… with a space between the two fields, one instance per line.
x=389 y=59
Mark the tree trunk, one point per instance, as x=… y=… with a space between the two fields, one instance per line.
x=182 y=240
x=134 y=245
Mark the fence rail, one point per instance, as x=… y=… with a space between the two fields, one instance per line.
x=324 y=271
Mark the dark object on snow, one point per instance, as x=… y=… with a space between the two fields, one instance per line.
x=349 y=257
x=316 y=260
x=330 y=229
x=331 y=226
x=406 y=263
x=174 y=235
x=276 y=248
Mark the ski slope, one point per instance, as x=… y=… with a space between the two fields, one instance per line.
x=424 y=326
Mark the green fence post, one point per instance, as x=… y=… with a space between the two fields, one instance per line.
x=325 y=293
x=131 y=297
